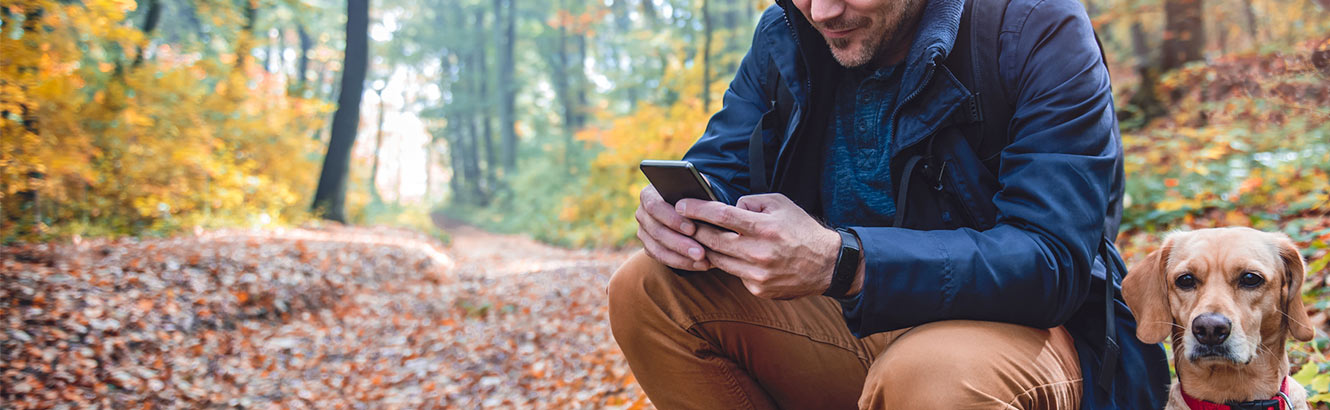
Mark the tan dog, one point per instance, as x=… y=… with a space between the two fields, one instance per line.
x=1228 y=297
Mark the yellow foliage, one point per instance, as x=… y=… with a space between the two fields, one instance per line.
x=169 y=143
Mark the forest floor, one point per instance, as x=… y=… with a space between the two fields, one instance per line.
x=336 y=317
x=333 y=317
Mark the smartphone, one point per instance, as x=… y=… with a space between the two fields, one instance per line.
x=677 y=180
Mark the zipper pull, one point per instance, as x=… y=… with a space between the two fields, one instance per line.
x=937 y=185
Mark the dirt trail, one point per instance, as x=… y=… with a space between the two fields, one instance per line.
x=339 y=317
x=482 y=253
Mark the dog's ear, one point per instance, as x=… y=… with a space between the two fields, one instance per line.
x=1146 y=294
x=1294 y=270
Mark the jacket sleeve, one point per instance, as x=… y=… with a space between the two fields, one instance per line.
x=1033 y=267
x=722 y=151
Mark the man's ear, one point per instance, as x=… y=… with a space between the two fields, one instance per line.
x=1147 y=295
x=1295 y=314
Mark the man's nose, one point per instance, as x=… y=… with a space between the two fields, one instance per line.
x=1211 y=328
x=821 y=11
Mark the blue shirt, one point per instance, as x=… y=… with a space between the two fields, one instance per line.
x=856 y=182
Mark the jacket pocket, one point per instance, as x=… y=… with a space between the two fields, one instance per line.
x=969 y=183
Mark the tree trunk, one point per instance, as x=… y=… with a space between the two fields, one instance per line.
x=507 y=90
x=302 y=63
x=706 y=56
x=1184 y=33
x=330 y=198
x=472 y=161
x=562 y=87
x=649 y=12
x=247 y=34
x=482 y=75
x=149 y=24
x=1250 y=12
x=581 y=84
x=378 y=148
x=455 y=183
x=1145 y=98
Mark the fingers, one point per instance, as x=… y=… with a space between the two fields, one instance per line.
x=667 y=246
x=763 y=202
x=664 y=212
x=668 y=257
x=718 y=240
x=720 y=214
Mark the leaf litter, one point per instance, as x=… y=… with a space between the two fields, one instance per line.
x=336 y=317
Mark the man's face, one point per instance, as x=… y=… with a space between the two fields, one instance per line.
x=864 y=31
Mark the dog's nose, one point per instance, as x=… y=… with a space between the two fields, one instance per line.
x=1211 y=328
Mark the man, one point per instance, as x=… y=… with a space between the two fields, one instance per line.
x=962 y=235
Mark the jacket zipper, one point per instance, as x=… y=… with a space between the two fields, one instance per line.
x=928 y=76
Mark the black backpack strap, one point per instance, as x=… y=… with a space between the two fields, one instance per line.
x=981 y=25
x=781 y=103
x=1113 y=268
x=995 y=106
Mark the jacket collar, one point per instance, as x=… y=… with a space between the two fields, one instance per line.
x=1279 y=402
x=933 y=41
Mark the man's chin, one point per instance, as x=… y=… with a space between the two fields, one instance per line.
x=850 y=57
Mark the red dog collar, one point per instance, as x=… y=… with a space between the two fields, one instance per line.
x=1279 y=402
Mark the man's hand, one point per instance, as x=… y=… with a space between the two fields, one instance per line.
x=665 y=234
x=775 y=248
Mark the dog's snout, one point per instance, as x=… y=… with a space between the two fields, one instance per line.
x=1211 y=328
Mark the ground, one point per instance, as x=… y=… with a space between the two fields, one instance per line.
x=310 y=318
x=332 y=317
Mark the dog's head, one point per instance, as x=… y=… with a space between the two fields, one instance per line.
x=1220 y=293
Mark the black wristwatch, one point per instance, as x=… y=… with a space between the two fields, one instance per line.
x=847 y=264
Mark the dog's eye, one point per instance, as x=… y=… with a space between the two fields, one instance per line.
x=1186 y=281
x=1250 y=280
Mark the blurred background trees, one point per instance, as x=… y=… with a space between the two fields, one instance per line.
x=128 y=118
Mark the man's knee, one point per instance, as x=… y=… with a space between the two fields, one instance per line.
x=630 y=291
x=968 y=364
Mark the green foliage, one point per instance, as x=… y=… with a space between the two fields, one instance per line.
x=533 y=201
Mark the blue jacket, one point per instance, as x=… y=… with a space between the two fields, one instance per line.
x=1001 y=226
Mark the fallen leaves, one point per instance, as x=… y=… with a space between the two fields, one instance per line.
x=337 y=318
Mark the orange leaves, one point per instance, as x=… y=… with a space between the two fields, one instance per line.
x=255 y=320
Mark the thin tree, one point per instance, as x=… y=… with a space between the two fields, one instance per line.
x=507 y=90
x=375 y=197
x=1184 y=33
x=706 y=56
x=330 y=198
x=302 y=61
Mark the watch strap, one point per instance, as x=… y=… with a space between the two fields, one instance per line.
x=847 y=264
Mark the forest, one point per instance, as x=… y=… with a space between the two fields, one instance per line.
x=195 y=181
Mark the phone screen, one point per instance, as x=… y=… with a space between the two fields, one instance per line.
x=677 y=180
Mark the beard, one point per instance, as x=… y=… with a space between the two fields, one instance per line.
x=894 y=31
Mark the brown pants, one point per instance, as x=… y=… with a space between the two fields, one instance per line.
x=703 y=342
